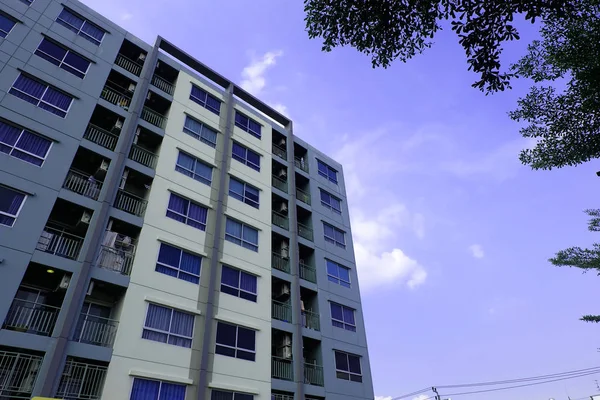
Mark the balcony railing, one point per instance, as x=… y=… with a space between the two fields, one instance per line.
x=143 y=156
x=279 y=184
x=281 y=220
x=305 y=232
x=115 y=259
x=82 y=184
x=313 y=374
x=279 y=396
x=280 y=263
x=301 y=163
x=153 y=117
x=282 y=368
x=19 y=373
x=311 y=320
x=281 y=311
x=128 y=65
x=101 y=137
x=303 y=196
x=115 y=97
x=163 y=84
x=81 y=381
x=96 y=330
x=130 y=203
x=308 y=272
x=279 y=152
x=30 y=317
x=60 y=243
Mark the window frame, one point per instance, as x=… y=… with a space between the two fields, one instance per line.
x=168 y=333
x=336 y=279
x=15 y=216
x=342 y=324
x=204 y=103
x=329 y=169
x=79 y=31
x=202 y=224
x=244 y=198
x=246 y=127
x=239 y=288
x=62 y=62
x=236 y=348
x=245 y=161
x=178 y=268
x=328 y=205
x=348 y=373
x=333 y=240
x=200 y=179
x=241 y=239
x=10 y=18
x=47 y=86
x=159 y=387
x=13 y=147
x=197 y=136
x=234 y=395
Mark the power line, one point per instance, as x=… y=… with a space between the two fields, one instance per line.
x=427 y=389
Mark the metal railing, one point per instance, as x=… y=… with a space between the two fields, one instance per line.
x=311 y=320
x=143 y=156
x=96 y=330
x=30 y=317
x=81 y=381
x=163 y=84
x=113 y=96
x=278 y=151
x=60 y=243
x=279 y=184
x=282 y=368
x=281 y=311
x=153 y=117
x=305 y=232
x=303 y=196
x=301 y=163
x=279 y=396
x=101 y=137
x=281 y=220
x=313 y=374
x=280 y=263
x=308 y=272
x=82 y=184
x=130 y=203
x=128 y=65
x=19 y=372
x=116 y=260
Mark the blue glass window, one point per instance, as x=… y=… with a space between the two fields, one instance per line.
x=167 y=325
x=326 y=171
x=337 y=273
x=223 y=395
x=241 y=234
x=198 y=130
x=245 y=156
x=178 y=263
x=238 y=283
x=206 y=100
x=6 y=24
x=22 y=144
x=194 y=168
x=331 y=202
x=248 y=124
x=145 y=389
x=11 y=203
x=63 y=57
x=236 y=341
x=187 y=212
x=342 y=317
x=41 y=95
x=81 y=26
x=334 y=235
x=347 y=366
x=243 y=192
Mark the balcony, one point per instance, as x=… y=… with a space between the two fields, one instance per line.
x=313 y=374
x=81 y=380
x=300 y=163
x=95 y=330
x=130 y=203
x=31 y=317
x=279 y=184
x=83 y=184
x=128 y=65
x=281 y=311
x=143 y=156
x=131 y=58
x=282 y=368
x=282 y=396
x=118 y=90
x=163 y=84
x=56 y=240
x=154 y=117
x=308 y=272
x=279 y=152
x=311 y=320
x=86 y=174
x=165 y=77
x=281 y=220
x=280 y=263
x=305 y=232
x=19 y=373
x=303 y=196
x=300 y=157
x=101 y=137
x=116 y=252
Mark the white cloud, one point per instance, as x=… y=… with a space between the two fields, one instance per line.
x=126 y=16
x=281 y=109
x=421 y=397
x=383 y=397
x=253 y=74
x=476 y=250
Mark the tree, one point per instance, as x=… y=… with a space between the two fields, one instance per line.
x=586 y=259
x=399 y=29
x=563 y=110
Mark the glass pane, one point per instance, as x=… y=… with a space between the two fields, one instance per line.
x=226 y=334
x=236 y=187
x=77 y=62
x=9 y=134
x=158 y=317
x=332 y=268
x=250 y=235
x=169 y=255
x=254 y=158
x=52 y=49
x=144 y=389
x=354 y=364
x=336 y=312
x=341 y=361
x=344 y=274
x=6 y=24
x=230 y=276
x=246 y=339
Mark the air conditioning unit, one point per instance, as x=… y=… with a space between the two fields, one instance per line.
x=118 y=124
x=90 y=289
x=282 y=143
x=131 y=87
x=287 y=340
x=283 y=208
x=282 y=173
x=285 y=254
x=124 y=179
x=285 y=290
x=142 y=57
x=149 y=95
x=64 y=282
x=104 y=165
x=286 y=353
x=86 y=217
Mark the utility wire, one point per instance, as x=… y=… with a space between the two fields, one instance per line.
x=427 y=389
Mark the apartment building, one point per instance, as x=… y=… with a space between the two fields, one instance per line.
x=164 y=235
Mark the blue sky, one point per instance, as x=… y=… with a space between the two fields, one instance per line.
x=452 y=234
